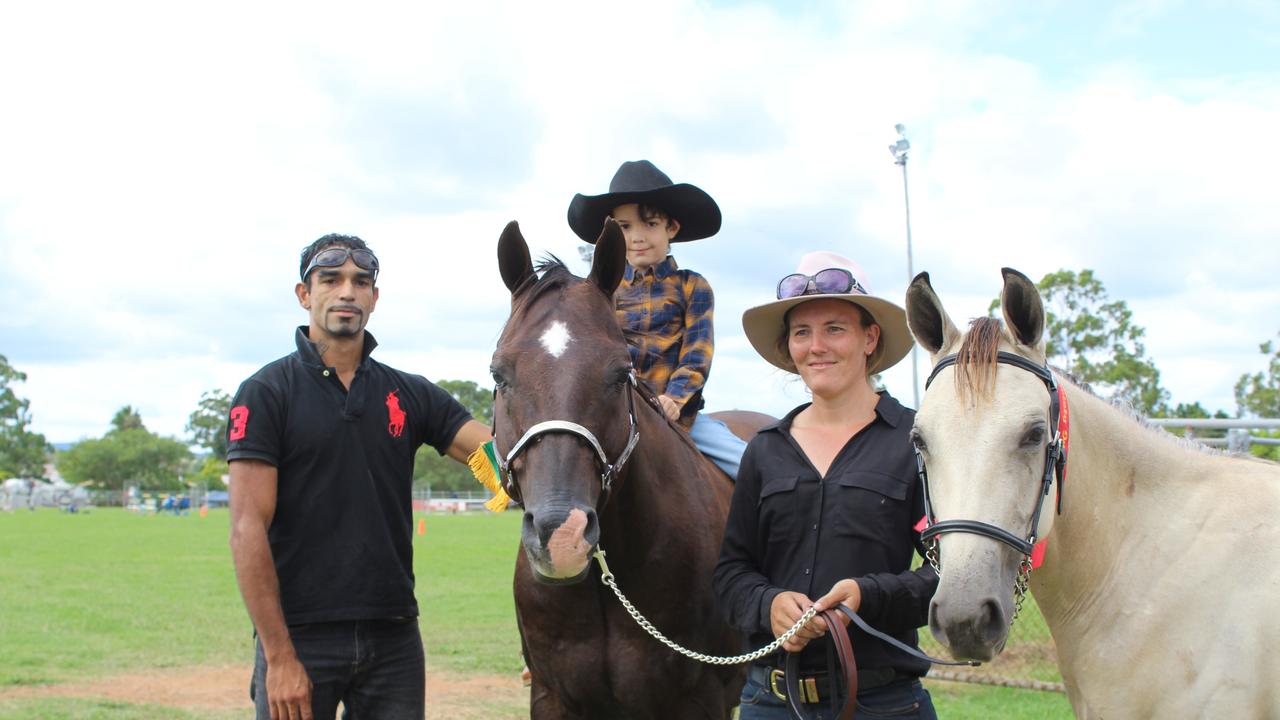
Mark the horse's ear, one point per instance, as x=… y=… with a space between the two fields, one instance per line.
x=610 y=258
x=513 y=257
x=1023 y=310
x=927 y=318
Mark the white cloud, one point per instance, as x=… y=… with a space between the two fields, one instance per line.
x=165 y=166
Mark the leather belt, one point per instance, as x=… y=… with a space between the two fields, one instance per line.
x=774 y=679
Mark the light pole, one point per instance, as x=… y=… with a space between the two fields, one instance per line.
x=899 y=150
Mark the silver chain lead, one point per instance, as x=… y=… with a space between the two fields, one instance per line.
x=606 y=577
x=1020 y=587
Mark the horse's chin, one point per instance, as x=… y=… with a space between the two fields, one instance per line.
x=548 y=574
x=981 y=653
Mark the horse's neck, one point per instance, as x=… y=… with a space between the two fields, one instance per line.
x=1121 y=479
x=666 y=493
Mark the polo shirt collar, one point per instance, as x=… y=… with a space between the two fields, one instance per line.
x=307 y=349
x=661 y=271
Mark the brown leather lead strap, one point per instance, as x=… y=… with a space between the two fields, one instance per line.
x=848 y=669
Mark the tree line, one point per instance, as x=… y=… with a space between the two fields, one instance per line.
x=1087 y=334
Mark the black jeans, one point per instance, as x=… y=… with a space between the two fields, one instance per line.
x=375 y=668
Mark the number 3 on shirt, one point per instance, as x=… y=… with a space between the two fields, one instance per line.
x=239 y=419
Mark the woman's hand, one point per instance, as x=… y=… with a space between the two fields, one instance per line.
x=847 y=593
x=786 y=609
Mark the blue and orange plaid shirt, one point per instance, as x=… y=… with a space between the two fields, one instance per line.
x=665 y=312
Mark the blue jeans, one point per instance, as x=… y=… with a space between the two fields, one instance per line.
x=902 y=699
x=718 y=442
x=375 y=668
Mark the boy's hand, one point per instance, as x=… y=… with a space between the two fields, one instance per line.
x=669 y=407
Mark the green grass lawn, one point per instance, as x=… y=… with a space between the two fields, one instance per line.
x=98 y=594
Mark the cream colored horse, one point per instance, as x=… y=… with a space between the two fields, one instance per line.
x=1161 y=580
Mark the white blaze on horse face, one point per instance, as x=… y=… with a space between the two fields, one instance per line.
x=556 y=339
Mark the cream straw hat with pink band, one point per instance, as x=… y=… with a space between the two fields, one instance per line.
x=764 y=323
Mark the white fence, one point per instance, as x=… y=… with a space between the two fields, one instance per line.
x=1238 y=437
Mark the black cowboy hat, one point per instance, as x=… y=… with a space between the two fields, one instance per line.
x=638 y=181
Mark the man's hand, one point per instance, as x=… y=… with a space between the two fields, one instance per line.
x=288 y=689
x=786 y=609
x=669 y=407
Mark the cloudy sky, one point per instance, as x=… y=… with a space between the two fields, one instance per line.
x=161 y=166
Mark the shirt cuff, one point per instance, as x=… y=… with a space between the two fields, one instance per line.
x=766 y=608
x=869 y=590
x=252 y=454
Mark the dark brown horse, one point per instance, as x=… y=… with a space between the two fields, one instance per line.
x=595 y=463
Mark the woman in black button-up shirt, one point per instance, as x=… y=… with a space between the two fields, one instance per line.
x=827 y=501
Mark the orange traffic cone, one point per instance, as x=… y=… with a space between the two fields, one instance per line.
x=422 y=526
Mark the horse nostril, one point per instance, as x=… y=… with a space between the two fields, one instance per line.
x=592 y=532
x=935 y=627
x=991 y=622
x=528 y=532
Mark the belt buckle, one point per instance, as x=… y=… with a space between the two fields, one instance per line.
x=774 y=675
x=808 y=687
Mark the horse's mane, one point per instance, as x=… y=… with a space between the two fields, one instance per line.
x=650 y=397
x=976 y=359
x=1124 y=407
x=549 y=274
x=975 y=374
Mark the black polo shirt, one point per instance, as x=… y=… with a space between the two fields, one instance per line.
x=342 y=532
x=790 y=529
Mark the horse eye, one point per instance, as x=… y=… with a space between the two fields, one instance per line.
x=498 y=380
x=918 y=441
x=1034 y=437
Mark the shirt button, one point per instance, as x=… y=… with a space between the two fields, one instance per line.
x=326 y=373
x=806 y=571
x=815 y=528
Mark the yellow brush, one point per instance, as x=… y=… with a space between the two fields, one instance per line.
x=484 y=465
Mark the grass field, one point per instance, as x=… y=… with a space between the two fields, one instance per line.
x=88 y=599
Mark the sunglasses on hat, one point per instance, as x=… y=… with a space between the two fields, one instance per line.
x=337 y=257
x=832 y=281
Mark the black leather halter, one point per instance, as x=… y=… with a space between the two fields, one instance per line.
x=1055 y=464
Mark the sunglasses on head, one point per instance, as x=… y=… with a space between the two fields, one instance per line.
x=337 y=257
x=832 y=281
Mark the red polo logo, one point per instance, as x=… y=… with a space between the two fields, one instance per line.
x=395 y=414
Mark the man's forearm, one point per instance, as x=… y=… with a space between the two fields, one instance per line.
x=260 y=588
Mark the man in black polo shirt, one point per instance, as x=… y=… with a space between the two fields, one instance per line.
x=321 y=447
